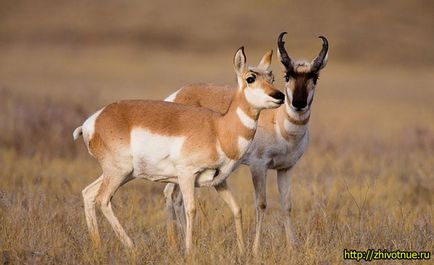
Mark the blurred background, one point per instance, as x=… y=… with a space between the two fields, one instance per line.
x=372 y=128
x=95 y=52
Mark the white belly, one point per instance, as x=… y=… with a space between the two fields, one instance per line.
x=155 y=155
x=159 y=158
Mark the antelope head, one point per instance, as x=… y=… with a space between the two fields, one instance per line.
x=256 y=83
x=301 y=76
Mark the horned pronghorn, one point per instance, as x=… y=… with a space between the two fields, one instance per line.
x=175 y=143
x=281 y=138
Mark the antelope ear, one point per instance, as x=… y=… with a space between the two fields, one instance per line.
x=240 y=61
x=265 y=62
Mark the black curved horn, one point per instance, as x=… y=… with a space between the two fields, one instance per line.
x=318 y=61
x=284 y=57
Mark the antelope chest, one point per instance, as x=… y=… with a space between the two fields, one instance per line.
x=277 y=154
x=288 y=153
x=225 y=167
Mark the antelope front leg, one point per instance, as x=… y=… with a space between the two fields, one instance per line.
x=284 y=185
x=259 y=177
x=227 y=196
x=186 y=186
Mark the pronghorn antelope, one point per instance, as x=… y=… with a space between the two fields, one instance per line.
x=174 y=143
x=281 y=138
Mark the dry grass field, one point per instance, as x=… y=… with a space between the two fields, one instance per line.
x=366 y=181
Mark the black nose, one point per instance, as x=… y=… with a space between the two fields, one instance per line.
x=278 y=95
x=298 y=104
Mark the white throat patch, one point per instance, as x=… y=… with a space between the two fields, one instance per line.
x=246 y=120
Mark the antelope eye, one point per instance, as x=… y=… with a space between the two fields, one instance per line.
x=250 y=79
x=286 y=78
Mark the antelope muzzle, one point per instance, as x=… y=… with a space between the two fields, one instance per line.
x=279 y=96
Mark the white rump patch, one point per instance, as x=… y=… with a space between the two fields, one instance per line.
x=172 y=97
x=88 y=127
x=245 y=119
x=155 y=154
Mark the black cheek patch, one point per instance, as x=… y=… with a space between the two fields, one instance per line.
x=314 y=78
x=289 y=75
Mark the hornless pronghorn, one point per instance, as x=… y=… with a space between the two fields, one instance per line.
x=280 y=141
x=174 y=143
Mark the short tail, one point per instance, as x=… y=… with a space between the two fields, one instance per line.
x=77 y=132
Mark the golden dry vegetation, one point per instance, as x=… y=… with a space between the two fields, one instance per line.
x=366 y=181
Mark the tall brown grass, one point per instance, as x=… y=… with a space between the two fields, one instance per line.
x=364 y=183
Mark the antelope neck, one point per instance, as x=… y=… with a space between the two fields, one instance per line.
x=240 y=121
x=291 y=125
